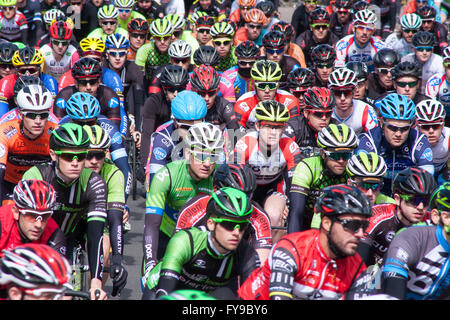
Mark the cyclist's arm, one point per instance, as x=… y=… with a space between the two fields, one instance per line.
x=57 y=240
x=283 y=270
x=299 y=191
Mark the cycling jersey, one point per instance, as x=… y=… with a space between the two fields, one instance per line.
x=297 y=53
x=240 y=85
x=441 y=151
x=134 y=15
x=298 y=268
x=376 y=91
x=307 y=43
x=149 y=54
x=80 y=205
x=347 y=50
x=226 y=87
x=419 y=258
x=11 y=236
x=400 y=45
x=340 y=29
x=241 y=36
x=362 y=119
x=229 y=61
x=433 y=66
x=56 y=68
x=14 y=29
x=438 y=87
x=130 y=75
x=415 y=151
x=193 y=214
x=99 y=34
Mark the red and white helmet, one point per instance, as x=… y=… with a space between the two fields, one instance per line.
x=430 y=110
x=34 y=194
x=365 y=17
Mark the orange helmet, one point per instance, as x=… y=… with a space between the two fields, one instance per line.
x=246 y=3
x=255 y=16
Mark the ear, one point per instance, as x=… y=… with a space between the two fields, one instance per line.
x=187 y=154
x=397 y=199
x=53 y=155
x=435 y=216
x=211 y=225
x=326 y=223
x=257 y=126
x=14 y=293
x=15 y=212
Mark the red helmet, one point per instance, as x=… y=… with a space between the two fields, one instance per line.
x=34 y=194
x=205 y=78
x=319 y=98
x=60 y=30
x=138 y=25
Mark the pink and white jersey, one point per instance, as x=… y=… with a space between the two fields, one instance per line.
x=439 y=88
x=362 y=119
x=57 y=68
x=11 y=29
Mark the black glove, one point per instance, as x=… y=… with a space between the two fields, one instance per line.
x=118 y=275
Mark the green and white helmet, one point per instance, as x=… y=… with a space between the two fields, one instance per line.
x=124 y=3
x=411 y=21
x=221 y=29
x=161 y=28
x=178 y=22
x=337 y=136
x=366 y=165
x=107 y=12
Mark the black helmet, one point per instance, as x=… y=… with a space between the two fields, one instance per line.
x=441 y=198
x=406 y=68
x=360 y=68
x=343 y=199
x=86 y=67
x=174 y=76
x=268 y=7
x=25 y=81
x=70 y=136
x=346 y=4
x=301 y=77
x=237 y=176
x=229 y=203
x=319 y=98
x=323 y=53
x=414 y=181
x=423 y=39
x=360 y=5
x=426 y=12
x=386 y=57
x=319 y=15
x=246 y=49
x=274 y=39
x=206 y=55
x=7 y=50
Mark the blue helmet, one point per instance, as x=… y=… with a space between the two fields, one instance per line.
x=82 y=106
x=396 y=106
x=117 y=41
x=188 y=105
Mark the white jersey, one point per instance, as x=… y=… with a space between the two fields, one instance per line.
x=402 y=47
x=57 y=68
x=433 y=66
x=441 y=151
x=362 y=119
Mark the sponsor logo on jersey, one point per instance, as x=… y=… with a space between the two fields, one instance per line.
x=160 y=153
x=434 y=81
x=341 y=45
x=427 y=154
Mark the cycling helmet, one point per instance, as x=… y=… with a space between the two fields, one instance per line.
x=337 y=136
x=246 y=49
x=25 y=81
x=301 y=78
x=274 y=39
x=342 y=78
x=86 y=68
x=60 y=30
x=286 y=28
x=360 y=69
x=117 y=41
x=426 y=12
x=267 y=7
x=423 y=39
x=366 y=165
x=174 y=76
x=51 y=15
x=441 y=198
x=414 y=181
x=124 y=3
x=246 y=3
x=323 y=53
x=7 y=50
x=386 y=57
x=319 y=98
x=178 y=22
x=205 y=136
x=188 y=105
x=266 y=71
x=397 y=106
x=364 y=17
x=180 y=49
x=446 y=54
x=406 y=69
x=343 y=4
x=34 y=194
x=187 y=294
x=221 y=29
x=8 y=3
x=34 y=98
x=138 y=25
x=206 y=55
x=196 y=15
x=229 y=203
x=411 y=21
x=92 y=45
x=98 y=137
x=161 y=28
x=82 y=106
x=27 y=56
x=272 y=111
x=255 y=16
x=430 y=110
x=205 y=78
x=204 y=21
x=359 y=5
x=69 y=136
x=31 y=265
x=319 y=15
x=107 y=11
x=237 y=176
x=342 y=199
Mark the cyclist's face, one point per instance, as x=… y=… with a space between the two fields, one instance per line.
x=253 y=30
x=228 y=240
x=33 y=127
x=163 y=43
x=394 y=136
x=223 y=46
x=404 y=86
x=344 y=99
x=317 y=120
x=385 y=76
x=423 y=55
x=363 y=34
x=6 y=69
x=432 y=130
x=320 y=32
x=88 y=86
x=205 y=4
x=145 y=4
x=9 y=12
x=360 y=90
x=31 y=225
x=124 y=13
x=116 y=58
x=269 y=134
x=343 y=15
x=43 y=292
x=108 y=26
x=413 y=213
x=199 y=170
x=137 y=42
x=337 y=167
x=266 y=94
x=324 y=73
x=94 y=163
x=203 y=35
x=60 y=46
x=69 y=170
x=275 y=56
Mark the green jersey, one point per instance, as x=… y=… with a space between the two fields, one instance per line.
x=149 y=56
x=99 y=34
x=114 y=179
x=134 y=14
x=228 y=62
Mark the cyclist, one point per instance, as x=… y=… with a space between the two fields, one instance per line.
x=362 y=83
x=316 y=264
x=222 y=36
x=396 y=141
x=24 y=141
x=176 y=183
x=362 y=45
x=201 y=30
x=34 y=271
x=341 y=19
x=48 y=18
x=150 y=9
x=84 y=14
x=358 y=115
x=6 y=53
x=323 y=59
x=272 y=156
x=13 y=22
x=31 y=9
x=59 y=54
x=292 y=49
x=126 y=12
x=253 y=29
x=269 y=10
x=108 y=19
x=240 y=177
x=415 y=264
x=212 y=8
x=431 y=63
x=299 y=19
x=220 y=248
x=80 y=194
x=337 y=143
x=429 y=23
x=298 y=81
x=96 y=160
x=29 y=219
x=407 y=76
x=238 y=15
x=318 y=33
x=138 y=30
x=412 y=188
x=401 y=41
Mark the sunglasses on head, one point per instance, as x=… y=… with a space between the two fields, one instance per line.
x=273 y=50
x=414 y=200
x=394 y=128
x=427 y=49
x=384 y=70
x=403 y=84
x=231 y=225
x=320 y=114
x=204 y=93
x=85 y=82
x=353 y=225
x=223 y=42
x=336 y=156
x=109 y=22
x=266 y=85
x=60 y=42
x=428 y=126
x=255 y=26
x=33 y=215
x=70 y=156
x=204 y=156
x=34 y=115
x=99 y=155
x=138 y=35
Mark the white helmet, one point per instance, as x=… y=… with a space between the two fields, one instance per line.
x=180 y=49
x=446 y=53
x=365 y=16
x=430 y=110
x=34 y=98
x=342 y=78
x=51 y=15
x=205 y=136
x=411 y=21
x=108 y=11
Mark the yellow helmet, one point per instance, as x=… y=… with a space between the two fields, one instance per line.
x=266 y=71
x=27 y=56
x=7 y=3
x=272 y=111
x=92 y=44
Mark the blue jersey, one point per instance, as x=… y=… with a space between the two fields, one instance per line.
x=112 y=80
x=240 y=85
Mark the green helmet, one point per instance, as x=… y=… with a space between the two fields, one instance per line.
x=272 y=111
x=229 y=203
x=441 y=198
x=107 y=11
x=366 y=165
x=98 y=137
x=337 y=136
x=221 y=29
x=124 y=3
x=178 y=22
x=187 y=295
x=266 y=71
x=7 y=3
x=161 y=28
x=69 y=136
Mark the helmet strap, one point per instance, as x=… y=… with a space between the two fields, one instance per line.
x=212 y=240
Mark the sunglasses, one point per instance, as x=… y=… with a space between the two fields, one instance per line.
x=393 y=128
x=427 y=127
x=60 y=42
x=365 y=28
x=70 y=156
x=353 y=225
x=266 y=85
x=203 y=30
x=310 y=2
x=174 y=89
x=10 y=8
x=427 y=21
x=320 y=114
x=403 y=84
x=164 y=38
x=32 y=215
x=124 y=10
x=116 y=54
x=245 y=8
x=343 y=11
x=223 y=42
x=346 y=93
x=336 y=156
x=246 y=63
x=273 y=51
x=369 y=186
x=427 y=49
x=384 y=70
x=254 y=26
x=273 y=126
x=414 y=200
x=99 y=155
x=413 y=31
x=91 y=82
x=231 y=225
x=75 y=3
x=203 y=157
x=138 y=35
x=106 y=23
x=180 y=60
x=34 y=115
x=320 y=26
x=325 y=65
x=23 y=71
x=204 y=93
